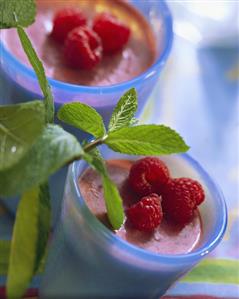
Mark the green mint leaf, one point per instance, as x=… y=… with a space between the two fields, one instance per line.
x=40 y=73
x=113 y=201
x=146 y=140
x=4 y=256
x=134 y=121
x=44 y=222
x=82 y=117
x=20 y=125
x=27 y=240
x=124 y=111
x=95 y=159
x=5 y=247
x=22 y=10
x=53 y=149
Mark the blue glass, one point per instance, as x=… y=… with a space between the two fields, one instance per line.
x=20 y=84
x=87 y=260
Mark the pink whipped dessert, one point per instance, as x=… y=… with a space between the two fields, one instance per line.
x=136 y=57
x=167 y=238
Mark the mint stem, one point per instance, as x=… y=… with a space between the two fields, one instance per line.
x=91 y=145
x=39 y=71
x=88 y=147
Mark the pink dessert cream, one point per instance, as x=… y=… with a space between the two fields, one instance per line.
x=132 y=60
x=169 y=237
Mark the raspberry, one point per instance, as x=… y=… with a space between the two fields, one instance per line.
x=65 y=20
x=113 y=32
x=82 y=48
x=195 y=188
x=148 y=175
x=178 y=204
x=146 y=214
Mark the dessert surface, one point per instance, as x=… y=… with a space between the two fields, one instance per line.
x=168 y=238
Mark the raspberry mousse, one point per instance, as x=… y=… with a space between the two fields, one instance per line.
x=136 y=56
x=154 y=232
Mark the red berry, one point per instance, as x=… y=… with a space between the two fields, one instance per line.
x=177 y=201
x=148 y=175
x=195 y=188
x=113 y=33
x=65 y=20
x=82 y=48
x=146 y=214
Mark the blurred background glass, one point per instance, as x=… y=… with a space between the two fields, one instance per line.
x=207 y=22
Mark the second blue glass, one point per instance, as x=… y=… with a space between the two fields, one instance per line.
x=87 y=260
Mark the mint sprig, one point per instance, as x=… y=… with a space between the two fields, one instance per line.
x=20 y=125
x=25 y=11
x=28 y=241
x=121 y=137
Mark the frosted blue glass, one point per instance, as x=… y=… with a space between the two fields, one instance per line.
x=87 y=260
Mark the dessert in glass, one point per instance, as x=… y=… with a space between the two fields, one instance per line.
x=87 y=259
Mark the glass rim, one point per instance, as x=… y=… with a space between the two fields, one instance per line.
x=167 y=17
x=148 y=255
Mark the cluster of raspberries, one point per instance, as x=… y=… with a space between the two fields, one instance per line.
x=84 y=45
x=160 y=195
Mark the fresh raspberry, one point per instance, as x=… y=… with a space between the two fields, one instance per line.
x=148 y=175
x=146 y=214
x=65 y=20
x=82 y=48
x=195 y=188
x=178 y=204
x=113 y=33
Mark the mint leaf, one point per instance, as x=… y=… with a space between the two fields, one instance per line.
x=20 y=125
x=4 y=256
x=25 y=11
x=146 y=140
x=95 y=159
x=82 y=117
x=44 y=222
x=5 y=247
x=124 y=111
x=40 y=73
x=53 y=149
x=134 y=121
x=113 y=201
x=27 y=236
